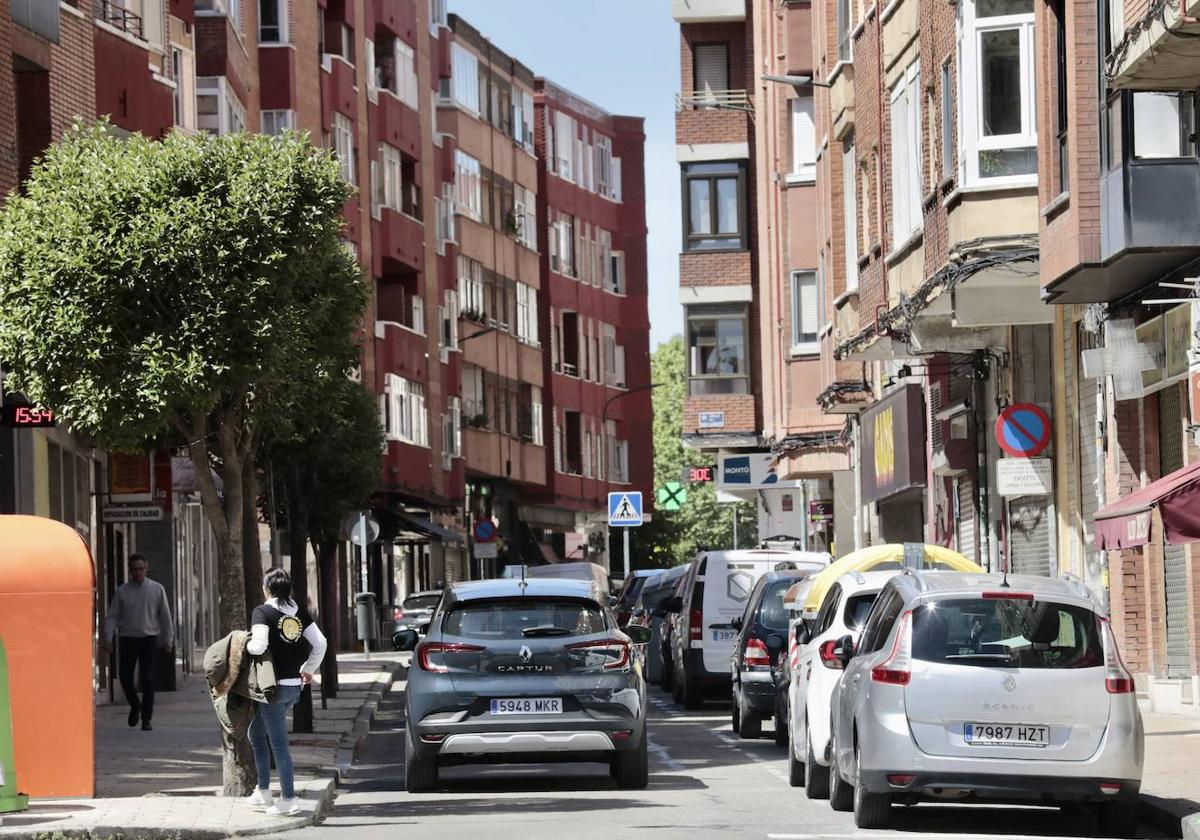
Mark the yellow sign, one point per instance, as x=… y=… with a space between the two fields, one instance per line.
x=885 y=447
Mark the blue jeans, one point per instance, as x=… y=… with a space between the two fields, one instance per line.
x=268 y=734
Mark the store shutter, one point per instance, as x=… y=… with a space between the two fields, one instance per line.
x=966 y=525
x=1170 y=436
x=712 y=68
x=1029 y=519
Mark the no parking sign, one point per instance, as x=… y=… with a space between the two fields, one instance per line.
x=1023 y=430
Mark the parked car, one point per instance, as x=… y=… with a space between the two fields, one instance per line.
x=761 y=639
x=416 y=611
x=666 y=645
x=524 y=670
x=712 y=593
x=815 y=673
x=975 y=687
x=592 y=572
x=650 y=611
x=631 y=587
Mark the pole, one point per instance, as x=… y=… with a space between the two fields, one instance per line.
x=362 y=537
x=734 y=508
x=625 y=544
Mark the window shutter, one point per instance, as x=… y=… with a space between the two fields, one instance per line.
x=619 y=372
x=712 y=69
x=804 y=135
x=809 y=314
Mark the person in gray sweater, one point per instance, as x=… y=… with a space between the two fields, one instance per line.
x=140 y=617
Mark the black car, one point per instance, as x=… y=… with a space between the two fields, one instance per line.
x=762 y=636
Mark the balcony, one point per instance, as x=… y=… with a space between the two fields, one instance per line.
x=702 y=116
x=401 y=238
x=398 y=125
x=728 y=100
x=1160 y=50
x=708 y=11
x=118 y=17
x=841 y=101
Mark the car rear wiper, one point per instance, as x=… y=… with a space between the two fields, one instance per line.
x=545 y=630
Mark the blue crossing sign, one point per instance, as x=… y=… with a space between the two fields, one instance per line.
x=625 y=509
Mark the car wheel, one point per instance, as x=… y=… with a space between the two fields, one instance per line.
x=751 y=727
x=690 y=693
x=796 y=768
x=816 y=776
x=735 y=716
x=1119 y=819
x=420 y=772
x=666 y=677
x=676 y=687
x=871 y=810
x=631 y=769
x=781 y=728
x=841 y=794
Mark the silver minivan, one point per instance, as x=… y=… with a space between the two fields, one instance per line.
x=967 y=687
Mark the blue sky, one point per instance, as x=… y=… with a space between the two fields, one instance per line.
x=622 y=55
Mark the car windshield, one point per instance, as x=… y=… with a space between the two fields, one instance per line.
x=772 y=614
x=858 y=607
x=422 y=602
x=1007 y=632
x=520 y=619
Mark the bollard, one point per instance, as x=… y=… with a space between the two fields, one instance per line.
x=10 y=799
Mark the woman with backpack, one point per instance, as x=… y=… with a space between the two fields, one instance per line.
x=297 y=647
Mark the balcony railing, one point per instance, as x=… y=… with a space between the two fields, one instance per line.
x=730 y=100
x=116 y=15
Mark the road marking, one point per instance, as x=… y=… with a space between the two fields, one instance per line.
x=664 y=757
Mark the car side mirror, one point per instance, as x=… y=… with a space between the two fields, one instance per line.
x=843 y=651
x=424 y=629
x=801 y=634
x=405 y=640
x=736 y=622
x=774 y=645
x=674 y=605
x=638 y=634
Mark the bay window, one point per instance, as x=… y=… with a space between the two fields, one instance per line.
x=714 y=206
x=1164 y=124
x=907 y=150
x=717 y=359
x=999 y=132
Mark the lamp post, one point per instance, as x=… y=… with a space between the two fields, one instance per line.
x=604 y=461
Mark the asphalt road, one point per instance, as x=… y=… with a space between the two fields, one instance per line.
x=704 y=782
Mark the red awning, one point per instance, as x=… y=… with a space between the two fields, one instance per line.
x=1126 y=522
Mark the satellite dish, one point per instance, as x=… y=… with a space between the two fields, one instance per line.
x=352 y=527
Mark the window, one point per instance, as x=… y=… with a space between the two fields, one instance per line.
x=407 y=419
x=562 y=245
x=527 y=325
x=390 y=185
x=947 y=122
x=449 y=313
x=572 y=443
x=531 y=415
x=183 y=71
x=1000 y=138
x=849 y=210
x=710 y=70
x=1164 y=124
x=343 y=145
x=806 y=320
x=446 y=229
x=278 y=121
x=717 y=362
x=1115 y=15
x=1062 y=109
x=618 y=460
x=437 y=15
x=614 y=357
x=713 y=206
x=616 y=273
x=218 y=110
x=272 y=22
x=525 y=216
x=604 y=167
x=404 y=81
x=804 y=138
x=845 y=31
x=564 y=145
x=235 y=14
x=468 y=185
x=452 y=428
x=569 y=336
x=470 y=288
x=464 y=68
x=884 y=613
x=473 y=396
x=906 y=156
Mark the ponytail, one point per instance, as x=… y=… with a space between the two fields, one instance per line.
x=279 y=583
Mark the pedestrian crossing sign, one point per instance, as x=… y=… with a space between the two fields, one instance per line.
x=625 y=509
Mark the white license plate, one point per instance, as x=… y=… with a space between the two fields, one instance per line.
x=723 y=635
x=528 y=706
x=1006 y=734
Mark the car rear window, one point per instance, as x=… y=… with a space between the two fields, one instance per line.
x=1007 y=633
x=510 y=619
x=422 y=602
x=858 y=607
x=772 y=613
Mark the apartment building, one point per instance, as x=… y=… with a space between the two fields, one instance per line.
x=1116 y=128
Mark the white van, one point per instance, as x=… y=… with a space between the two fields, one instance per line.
x=713 y=593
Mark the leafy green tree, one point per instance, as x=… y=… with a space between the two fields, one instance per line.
x=674 y=537
x=176 y=291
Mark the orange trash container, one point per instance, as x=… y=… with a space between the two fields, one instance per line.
x=47 y=609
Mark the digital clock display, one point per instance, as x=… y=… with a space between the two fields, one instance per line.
x=27 y=416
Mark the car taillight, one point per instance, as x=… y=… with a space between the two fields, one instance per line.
x=756 y=654
x=828 y=659
x=695 y=625
x=610 y=654
x=1117 y=679
x=896 y=669
x=431 y=656
x=397 y=614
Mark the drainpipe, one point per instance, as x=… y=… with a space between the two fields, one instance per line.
x=984 y=531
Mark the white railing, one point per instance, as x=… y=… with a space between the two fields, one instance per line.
x=735 y=100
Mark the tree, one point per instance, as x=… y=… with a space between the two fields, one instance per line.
x=177 y=292
x=674 y=537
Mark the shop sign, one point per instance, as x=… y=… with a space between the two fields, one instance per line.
x=893 y=444
x=1025 y=476
x=132 y=513
x=753 y=471
x=820 y=510
x=129 y=478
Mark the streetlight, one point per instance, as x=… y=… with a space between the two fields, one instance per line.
x=604 y=459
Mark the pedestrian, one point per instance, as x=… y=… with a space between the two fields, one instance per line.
x=297 y=647
x=140 y=618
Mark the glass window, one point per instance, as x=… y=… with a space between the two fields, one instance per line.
x=829 y=608
x=804 y=137
x=845 y=29
x=711 y=69
x=713 y=204
x=271 y=22
x=858 y=607
x=1163 y=124
x=422 y=602
x=883 y=615
x=521 y=619
x=717 y=349
x=772 y=615
x=464 y=67
x=947 y=122
x=907 y=150
x=343 y=144
x=806 y=318
x=849 y=213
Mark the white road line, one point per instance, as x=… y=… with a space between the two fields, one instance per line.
x=664 y=757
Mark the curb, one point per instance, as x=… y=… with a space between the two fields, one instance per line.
x=1177 y=817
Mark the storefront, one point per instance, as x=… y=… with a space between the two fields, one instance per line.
x=893 y=466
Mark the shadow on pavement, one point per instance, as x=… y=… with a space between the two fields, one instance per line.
x=442 y=806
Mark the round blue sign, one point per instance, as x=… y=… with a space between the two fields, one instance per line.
x=1023 y=430
x=484 y=530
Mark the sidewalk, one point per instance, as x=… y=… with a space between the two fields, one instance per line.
x=1171 y=779
x=163 y=783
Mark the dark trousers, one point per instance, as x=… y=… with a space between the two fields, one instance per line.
x=140 y=652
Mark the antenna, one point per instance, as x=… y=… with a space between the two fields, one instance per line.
x=524 y=583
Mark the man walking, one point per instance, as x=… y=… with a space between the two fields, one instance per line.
x=140 y=617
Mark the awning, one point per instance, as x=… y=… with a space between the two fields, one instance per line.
x=424 y=526
x=1126 y=522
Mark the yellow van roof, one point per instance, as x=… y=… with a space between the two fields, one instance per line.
x=885 y=556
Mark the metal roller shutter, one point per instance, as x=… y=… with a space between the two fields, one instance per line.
x=1029 y=535
x=712 y=68
x=1170 y=458
x=966 y=525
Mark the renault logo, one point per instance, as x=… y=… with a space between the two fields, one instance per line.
x=526 y=654
x=1010 y=683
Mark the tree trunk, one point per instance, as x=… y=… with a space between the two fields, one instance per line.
x=237 y=759
x=329 y=592
x=252 y=570
x=297 y=520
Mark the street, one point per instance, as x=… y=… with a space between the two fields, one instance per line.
x=704 y=782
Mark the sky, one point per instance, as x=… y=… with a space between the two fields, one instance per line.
x=623 y=55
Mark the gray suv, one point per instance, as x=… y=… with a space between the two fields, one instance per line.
x=525 y=671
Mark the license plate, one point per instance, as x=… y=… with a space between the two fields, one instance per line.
x=1006 y=734
x=528 y=706
x=723 y=635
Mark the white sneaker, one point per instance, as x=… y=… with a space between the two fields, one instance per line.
x=259 y=799
x=285 y=807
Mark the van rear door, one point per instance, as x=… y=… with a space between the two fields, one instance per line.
x=727 y=587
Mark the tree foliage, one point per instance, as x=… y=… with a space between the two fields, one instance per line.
x=675 y=537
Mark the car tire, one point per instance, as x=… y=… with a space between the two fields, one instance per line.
x=735 y=716
x=676 y=687
x=816 y=776
x=751 y=727
x=420 y=772
x=631 y=770
x=796 y=768
x=781 y=728
x=841 y=793
x=690 y=693
x=871 y=810
x=666 y=679
x=1119 y=819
